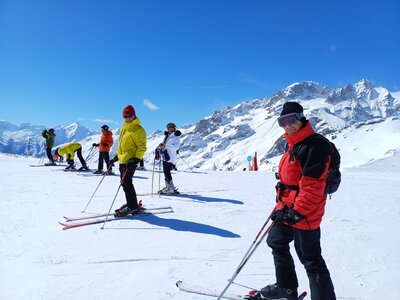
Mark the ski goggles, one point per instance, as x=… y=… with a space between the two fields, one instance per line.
x=289 y=119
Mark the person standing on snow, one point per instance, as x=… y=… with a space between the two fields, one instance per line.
x=49 y=136
x=299 y=211
x=69 y=150
x=168 y=154
x=131 y=149
x=104 y=151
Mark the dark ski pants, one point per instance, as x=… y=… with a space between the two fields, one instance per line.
x=308 y=248
x=103 y=156
x=127 y=185
x=79 y=153
x=49 y=155
x=167 y=167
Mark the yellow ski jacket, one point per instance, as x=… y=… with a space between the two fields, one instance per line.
x=132 y=142
x=69 y=149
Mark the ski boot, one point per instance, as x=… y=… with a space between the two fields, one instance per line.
x=169 y=189
x=84 y=168
x=124 y=210
x=98 y=172
x=273 y=292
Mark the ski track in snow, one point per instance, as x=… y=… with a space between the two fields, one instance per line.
x=202 y=242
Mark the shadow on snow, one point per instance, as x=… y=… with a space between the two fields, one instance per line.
x=208 y=199
x=189 y=226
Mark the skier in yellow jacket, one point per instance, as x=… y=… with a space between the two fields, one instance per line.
x=131 y=149
x=69 y=150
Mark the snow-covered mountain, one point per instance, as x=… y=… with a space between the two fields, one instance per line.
x=16 y=138
x=362 y=119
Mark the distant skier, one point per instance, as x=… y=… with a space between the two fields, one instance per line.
x=50 y=137
x=131 y=149
x=104 y=151
x=69 y=150
x=167 y=152
x=300 y=207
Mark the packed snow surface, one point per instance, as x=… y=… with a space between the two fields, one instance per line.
x=201 y=242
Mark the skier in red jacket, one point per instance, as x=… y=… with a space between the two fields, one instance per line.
x=300 y=207
x=104 y=152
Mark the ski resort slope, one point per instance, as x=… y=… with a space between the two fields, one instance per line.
x=201 y=243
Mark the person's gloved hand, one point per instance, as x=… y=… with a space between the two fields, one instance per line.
x=132 y=164
x=104 y=144
x=114 y=160
x=286 y=215
x=70 y=162
x=95 y=145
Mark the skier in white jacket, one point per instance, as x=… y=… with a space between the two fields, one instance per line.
x=168 y=154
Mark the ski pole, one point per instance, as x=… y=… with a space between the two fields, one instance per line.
x=254 y=245
x=185 y=162
x=159 y=177
x=152 y=178
x=104 y=176
x=115 y=197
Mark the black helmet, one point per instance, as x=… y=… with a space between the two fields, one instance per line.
x=51 y=130
x=105 y=127
x=171 y=125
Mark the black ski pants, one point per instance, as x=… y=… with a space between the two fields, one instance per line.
x=308 y=248
x=103 y=156
x=49 y=155
x=167 y=167
x=79 y=153
x=127 y=185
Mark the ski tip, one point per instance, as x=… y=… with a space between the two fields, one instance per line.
x=178 y=283
x=302 y=295
x=65 y=226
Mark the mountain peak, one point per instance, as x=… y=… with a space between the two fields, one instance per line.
x=303 y=91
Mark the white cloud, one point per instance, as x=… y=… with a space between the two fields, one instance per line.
x=150 y=105
x=103 y=121
x=332 y=48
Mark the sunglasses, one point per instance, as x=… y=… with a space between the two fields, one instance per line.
x=289 y=119
x=128 y=116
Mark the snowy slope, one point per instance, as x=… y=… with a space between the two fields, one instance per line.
x=201 y=242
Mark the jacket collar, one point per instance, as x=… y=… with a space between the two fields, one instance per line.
x=299 y=135
x=133 y=123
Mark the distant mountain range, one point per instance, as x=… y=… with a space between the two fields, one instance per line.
x=363 y=120
x=17 y=139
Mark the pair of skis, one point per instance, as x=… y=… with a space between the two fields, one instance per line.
x=209 y=292
x=74 y=222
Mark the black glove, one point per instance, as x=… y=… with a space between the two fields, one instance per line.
x=104 y=144
x=286 y=215
x=114 y=160
x=95 y=145
x=44 y=131
x=166 y=132
x=132 y=164
x=70 y=162
x=178 y=133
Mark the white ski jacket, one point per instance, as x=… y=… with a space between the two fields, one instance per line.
x=172 y=144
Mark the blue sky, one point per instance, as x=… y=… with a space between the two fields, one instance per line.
x=71 y=60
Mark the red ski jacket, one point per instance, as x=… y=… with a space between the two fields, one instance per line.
x=106 y=141
x=308 y=171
